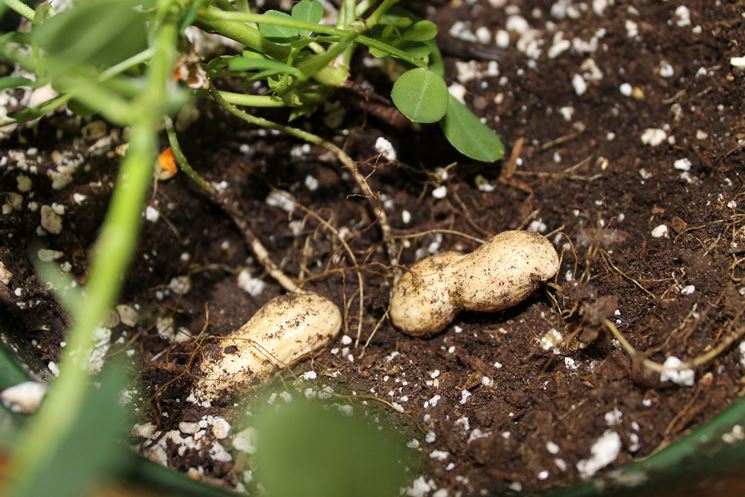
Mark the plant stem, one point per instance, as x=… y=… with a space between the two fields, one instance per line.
x=251 y=37
x=181 y=158
x=126 y=64
x=242 y=33
x=112 y=253
x=252 y=100
x=363 y=6
x=212 y=13
x=347 y=15
x=21 y=8
x=373 y=19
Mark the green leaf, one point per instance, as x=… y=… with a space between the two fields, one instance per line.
x=10 y=372
x=470 y=136
x=79 y=109
x=327 y=454
x=436 y=64
x=277 y=32
x=308 y=11
x=89 y=449
x=418 y=51
x=14 y=82
x=421 y=95
x=99 y=33
x=421 y=31
x=400 y=21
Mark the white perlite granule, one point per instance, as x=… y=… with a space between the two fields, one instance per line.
x=604 y=451
x=25 y=397
x=385 y=148
x=682 y=377
x=659 y=231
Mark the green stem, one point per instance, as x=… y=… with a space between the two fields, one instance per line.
x=21 y=8
x=242 y=33
x=264 y=123
x=111 y=256
x=181 y=158
x=211 y=14
x=251 y=38
x=313 y=65
x=109 y=73
x=265 y=101
x=347 y=16
x=373 y=19
x=126 y=64
x=364 y=6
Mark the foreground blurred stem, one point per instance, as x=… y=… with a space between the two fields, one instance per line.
x=112 y=254
x=21 y=8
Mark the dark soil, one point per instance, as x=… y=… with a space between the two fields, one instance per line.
x=490 y=406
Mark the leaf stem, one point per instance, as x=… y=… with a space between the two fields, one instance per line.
x=21 y=8
x=181 y=158
x=249 y=100
x=373 y=19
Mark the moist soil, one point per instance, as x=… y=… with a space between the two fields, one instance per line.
x=652 y=237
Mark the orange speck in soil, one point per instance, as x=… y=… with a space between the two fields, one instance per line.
x=166 y=164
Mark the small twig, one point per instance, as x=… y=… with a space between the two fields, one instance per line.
x=693 y=363
x=562 y=139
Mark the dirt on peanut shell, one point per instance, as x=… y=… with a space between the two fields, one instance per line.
x=625 y=119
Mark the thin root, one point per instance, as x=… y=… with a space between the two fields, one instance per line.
x=693 y=363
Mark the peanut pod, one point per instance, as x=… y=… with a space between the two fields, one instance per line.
x=499 y=274
x=282 y=332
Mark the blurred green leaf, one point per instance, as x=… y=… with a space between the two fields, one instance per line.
x=43 y=12
x=469 y=135
x=436 y=64
x=421 y=95
x=309 y=449
x=418 y=51
x=277 y=33
x=10 y=372
x=94 y=438
x=14 y=82
x=421 y=31
x=397 y=20
x=80 y=109
x=307 y=11
x=93 y=32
